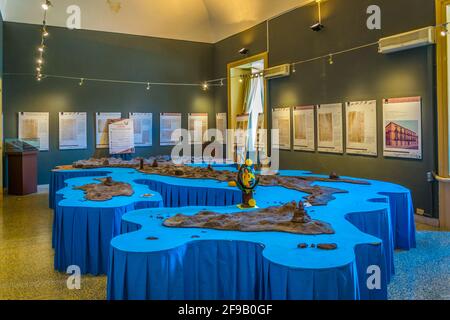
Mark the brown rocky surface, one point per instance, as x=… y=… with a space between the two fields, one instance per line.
x=290 y=218
x=106 y=190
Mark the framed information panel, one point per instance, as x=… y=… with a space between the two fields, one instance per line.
x=402 y=122
x=361 y=127
x=102 y=120
x=34 y=126
x=281 y=120
x=329 y=128
x=143 y=126
x=304 y=127
x=169 y=123
x=72 y=130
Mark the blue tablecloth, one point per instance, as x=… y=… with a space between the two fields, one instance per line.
x=242 y=266
x=57 y=178
x=373 y=211
x=82 y=230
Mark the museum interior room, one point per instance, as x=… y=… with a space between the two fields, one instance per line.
x=210 y=150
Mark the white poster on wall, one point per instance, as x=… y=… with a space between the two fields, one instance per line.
x=402 y=123
x=281 y=120
x=72 y=130
x=222 y=125
x=34 y=126
x=121 y=136
x=241 y=137
x=304 y=126
x=197 y=127
x=329 y=128
x=169 y=123
x=102 y=120
x=143 y=126
x=361 y=125
x=261 y=135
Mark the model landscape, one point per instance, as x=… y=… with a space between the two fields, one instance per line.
x=290 y=218
x=106 y=190
x=318 y=195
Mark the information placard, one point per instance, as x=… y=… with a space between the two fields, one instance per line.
x=102 y=120
x=143 y=126
x=402 y=122
x=72 y=130
x=34 y=126
x=281 y=120
x=197 y=127
x=121 y=136
x=361 y=125
x=222 y=125
x=169 y=123
x=304 y=127
x=329 y=127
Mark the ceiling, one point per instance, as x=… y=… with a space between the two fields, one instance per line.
x=195 y=20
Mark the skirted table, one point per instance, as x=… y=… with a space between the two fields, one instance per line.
x=367 y=219
x=209 y=264
x=150 y=261
x=82 y=230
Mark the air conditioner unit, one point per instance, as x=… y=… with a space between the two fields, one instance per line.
x=408 y=40
x=283 y=70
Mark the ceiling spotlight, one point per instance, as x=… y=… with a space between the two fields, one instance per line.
x=41 y=48
x=38 y=69
x=221 y=82
x=81 y=82
x=244 y=51
x=318 y=26
x=444 y=31
x=40 y=61
x=240 y=80
x=148 y=85
x=205 y=86
x=44 y=32
x=294 y=70
x=46 y=5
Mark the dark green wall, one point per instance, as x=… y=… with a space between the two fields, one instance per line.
x=359 y=75
x=93 y=54
x=363 y=74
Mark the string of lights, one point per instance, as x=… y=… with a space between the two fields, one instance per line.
x=204 y=86
x=40 y=60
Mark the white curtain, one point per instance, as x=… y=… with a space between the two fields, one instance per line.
x=254 y=105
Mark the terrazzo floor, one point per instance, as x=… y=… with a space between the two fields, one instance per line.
x=26 y=259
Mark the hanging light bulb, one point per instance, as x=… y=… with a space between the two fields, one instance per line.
x=330 y=59
x=46 y=5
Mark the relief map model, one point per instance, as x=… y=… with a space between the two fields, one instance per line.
x=106 y=190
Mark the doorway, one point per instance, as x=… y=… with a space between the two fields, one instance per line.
x=247 y=107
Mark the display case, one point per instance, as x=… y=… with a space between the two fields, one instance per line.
x=22 y=166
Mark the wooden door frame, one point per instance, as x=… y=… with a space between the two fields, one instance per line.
x=443 y=112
